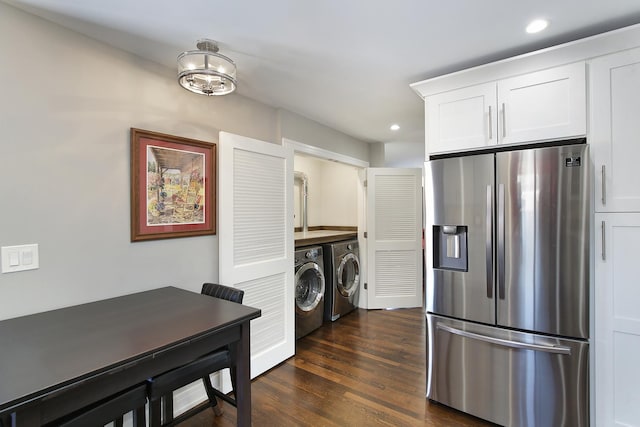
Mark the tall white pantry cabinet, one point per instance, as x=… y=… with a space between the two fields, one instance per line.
x=615 y=146
x=460 y=115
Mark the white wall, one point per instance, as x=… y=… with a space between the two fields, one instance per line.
x=340 y=191
x=376 y=155
x=68 y=103
x=404 y=155
x=333 y=192
x=300 y=129
x=397 y=154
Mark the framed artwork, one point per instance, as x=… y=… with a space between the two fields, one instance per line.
x=173 y=186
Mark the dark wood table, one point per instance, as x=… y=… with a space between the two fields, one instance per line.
x=56 y=362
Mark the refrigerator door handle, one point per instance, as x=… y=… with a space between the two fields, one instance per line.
x=558 y=349
x=500 y=255
x=489 y=242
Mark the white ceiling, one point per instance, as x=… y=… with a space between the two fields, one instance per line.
x=344 y=63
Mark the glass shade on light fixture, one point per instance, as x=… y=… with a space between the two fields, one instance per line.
x=205 y=71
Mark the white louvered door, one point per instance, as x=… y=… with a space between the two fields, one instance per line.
x=394 y=242
x=256 y=240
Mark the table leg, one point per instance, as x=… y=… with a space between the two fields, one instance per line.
x=243 y=386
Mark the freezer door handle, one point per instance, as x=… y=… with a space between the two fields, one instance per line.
x=507 y=343
x=500 y=255
x=489 y=242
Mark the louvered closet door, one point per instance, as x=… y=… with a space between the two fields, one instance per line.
x=256 y=240
x=394 y=243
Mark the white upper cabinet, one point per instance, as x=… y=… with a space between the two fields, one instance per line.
x=544 y=105
x=461 y=119
x=615 y=130
x=539 y=106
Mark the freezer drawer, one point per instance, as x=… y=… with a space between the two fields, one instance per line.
x=507 y=377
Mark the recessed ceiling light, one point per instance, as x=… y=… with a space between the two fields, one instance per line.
x=394 y=127
x=537 y=25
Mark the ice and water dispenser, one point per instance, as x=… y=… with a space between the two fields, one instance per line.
x=450 y=247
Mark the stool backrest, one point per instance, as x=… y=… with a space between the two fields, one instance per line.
x=223 y=292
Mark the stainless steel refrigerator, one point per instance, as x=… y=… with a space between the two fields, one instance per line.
x=507 y=281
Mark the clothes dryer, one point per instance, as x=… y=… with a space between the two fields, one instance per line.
x=310 y=289
x=342 y=267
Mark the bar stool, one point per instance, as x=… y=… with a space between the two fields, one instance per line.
x=160 y=388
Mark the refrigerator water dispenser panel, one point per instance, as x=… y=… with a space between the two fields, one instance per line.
x=450 y=247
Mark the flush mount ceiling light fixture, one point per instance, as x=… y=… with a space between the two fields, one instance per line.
x=205 y=71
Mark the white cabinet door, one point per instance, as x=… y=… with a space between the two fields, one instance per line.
x=256 y=240
x=394 y=242
x=544 y=105
x=615 y=130
x=617 y=320
x=540 y=106
x=461 y=119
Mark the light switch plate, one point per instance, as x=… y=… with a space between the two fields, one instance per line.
x=19 y=258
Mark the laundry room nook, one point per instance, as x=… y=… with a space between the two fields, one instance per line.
x=327 y=263
x=332 y=195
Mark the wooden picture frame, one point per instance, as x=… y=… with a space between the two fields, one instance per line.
x=173 y=186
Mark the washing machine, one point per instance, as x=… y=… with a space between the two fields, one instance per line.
x=342 y=268
x=310 y=289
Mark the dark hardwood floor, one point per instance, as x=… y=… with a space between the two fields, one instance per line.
x=365 y=369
